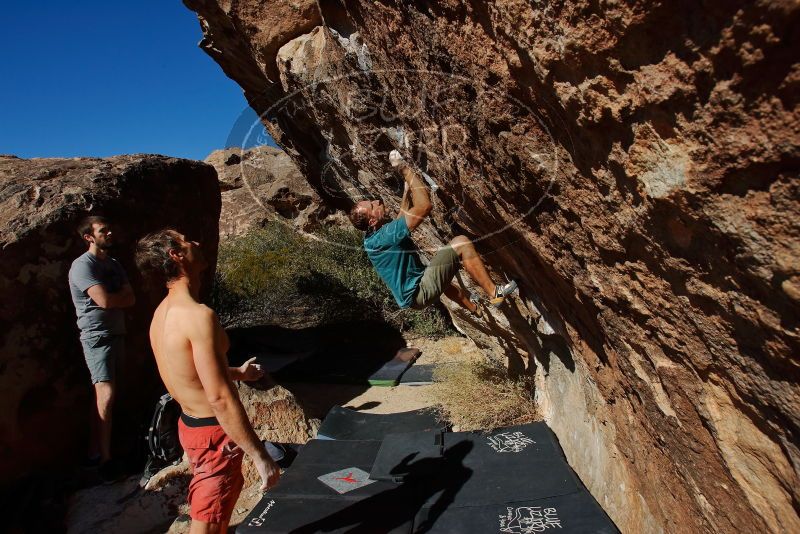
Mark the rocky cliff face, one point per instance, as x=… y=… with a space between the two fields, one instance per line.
x=633 y=164
x=45 y=386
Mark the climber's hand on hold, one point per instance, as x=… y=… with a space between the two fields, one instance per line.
x=395 y=159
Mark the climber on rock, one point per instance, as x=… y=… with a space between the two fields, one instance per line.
x=396 y=258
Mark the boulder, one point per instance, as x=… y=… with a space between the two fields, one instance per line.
x=632 y=165
x=47 y=394
x=263 y=184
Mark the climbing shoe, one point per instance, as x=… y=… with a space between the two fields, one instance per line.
x=479 y=311
x=501 y=292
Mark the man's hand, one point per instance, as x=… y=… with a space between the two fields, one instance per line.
x=248 y=371
x=395 y=159
x=268 y=470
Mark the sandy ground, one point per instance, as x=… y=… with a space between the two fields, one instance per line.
x=317 y=399
x=404 y=398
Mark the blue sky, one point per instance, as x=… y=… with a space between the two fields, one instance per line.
x=99 y=78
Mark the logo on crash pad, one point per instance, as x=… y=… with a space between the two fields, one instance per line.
x=528 y=520
x=346 y=479
x=509 y=442
x=260 y=518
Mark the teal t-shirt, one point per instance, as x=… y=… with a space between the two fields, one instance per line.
x=395 y=257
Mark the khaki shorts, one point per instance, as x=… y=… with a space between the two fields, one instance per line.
x=102 y=353
x=437 y=276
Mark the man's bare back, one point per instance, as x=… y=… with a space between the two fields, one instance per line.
x=177 y=320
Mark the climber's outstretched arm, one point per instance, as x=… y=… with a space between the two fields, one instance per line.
x=420 y=198
x=405 y=202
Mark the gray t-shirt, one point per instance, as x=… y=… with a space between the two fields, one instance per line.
x=88 y=270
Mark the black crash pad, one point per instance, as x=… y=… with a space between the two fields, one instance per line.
x=347 y=424
x=575 y=513
x=328 y=489
x=407 y=456
x=347 y=462
x=279 y=515
x=517 y=463
x=391 y=372
x=332 y=453
x=343 y=482
x=513 y=480
x=417 y=375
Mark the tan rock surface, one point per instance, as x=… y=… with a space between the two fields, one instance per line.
x=633 y=166
x=45 y=385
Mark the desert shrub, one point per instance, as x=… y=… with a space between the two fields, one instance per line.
x=477 y=395
x=273 y=272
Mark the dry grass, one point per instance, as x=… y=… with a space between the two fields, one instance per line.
x=479 y=395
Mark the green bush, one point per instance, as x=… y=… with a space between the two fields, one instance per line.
x=274 y=270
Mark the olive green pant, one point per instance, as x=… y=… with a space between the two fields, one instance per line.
x=437 y=276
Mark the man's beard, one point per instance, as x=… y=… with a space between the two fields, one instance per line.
x=105 y=246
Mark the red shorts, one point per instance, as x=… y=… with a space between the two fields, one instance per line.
x=216 y=466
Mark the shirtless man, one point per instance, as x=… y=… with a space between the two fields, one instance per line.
x=190 y=347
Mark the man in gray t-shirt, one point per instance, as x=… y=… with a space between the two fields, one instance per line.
x=100 y=290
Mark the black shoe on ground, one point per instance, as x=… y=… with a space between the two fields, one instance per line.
x=110 y=472
x=91 y=463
